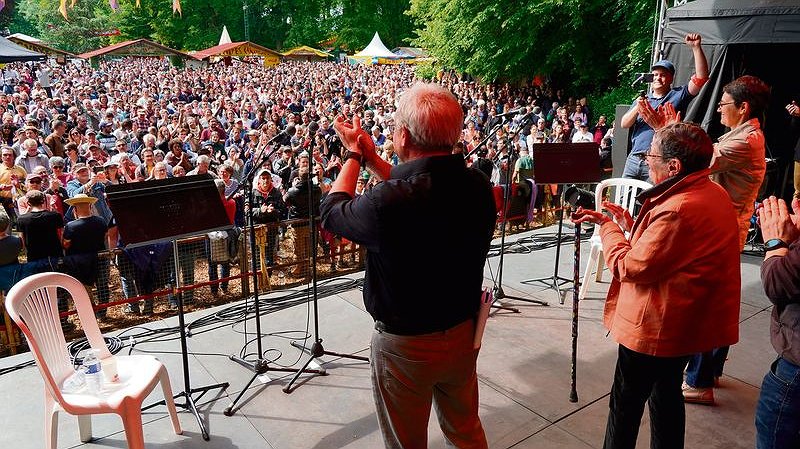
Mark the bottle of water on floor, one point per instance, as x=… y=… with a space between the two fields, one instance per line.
x=93 y=371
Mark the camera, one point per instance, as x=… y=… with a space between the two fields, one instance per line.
x=642 y=78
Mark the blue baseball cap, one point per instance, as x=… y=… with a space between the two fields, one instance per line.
x=664 y=64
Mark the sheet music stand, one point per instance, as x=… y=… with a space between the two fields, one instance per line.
x=563 y=163
x=166 y=210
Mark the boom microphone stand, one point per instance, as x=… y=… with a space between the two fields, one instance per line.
x=499 y=294
x=316 y=350
x=259 y=366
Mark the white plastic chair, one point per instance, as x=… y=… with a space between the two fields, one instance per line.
x=32 y=304
x=624 y=195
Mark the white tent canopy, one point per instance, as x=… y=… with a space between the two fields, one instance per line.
x=224 y=38
x=375 y=49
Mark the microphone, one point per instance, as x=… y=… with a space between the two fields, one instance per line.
x=511 y=113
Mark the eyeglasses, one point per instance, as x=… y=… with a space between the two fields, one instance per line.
x=35 y=181
x=57 y=167
x=644 y=156
x=721 y=103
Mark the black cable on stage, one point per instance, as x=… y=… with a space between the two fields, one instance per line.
x=237 y=313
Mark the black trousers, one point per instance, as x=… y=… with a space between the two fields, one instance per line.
x=641 y=378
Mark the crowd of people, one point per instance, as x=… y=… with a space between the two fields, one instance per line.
x=71 y=130
x=296 y=131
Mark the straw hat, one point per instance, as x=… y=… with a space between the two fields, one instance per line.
x=81 y=198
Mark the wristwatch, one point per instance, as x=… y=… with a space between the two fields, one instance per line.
x=354 y=155
x=771 y=244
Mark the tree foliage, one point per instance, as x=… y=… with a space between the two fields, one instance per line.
x=584 y=45
x=87 y=20
x=277 y=24
x=587 y=43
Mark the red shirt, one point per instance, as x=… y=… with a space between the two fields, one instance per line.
x=230 y=208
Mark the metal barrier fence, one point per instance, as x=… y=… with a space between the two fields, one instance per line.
x=133 y=286
x=130 y=287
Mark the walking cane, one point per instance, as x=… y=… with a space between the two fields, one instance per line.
x=573 y=392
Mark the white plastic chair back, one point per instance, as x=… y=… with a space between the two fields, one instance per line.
x=33 y=305
x=624 y=194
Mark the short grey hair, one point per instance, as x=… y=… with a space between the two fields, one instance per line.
x=431 y=115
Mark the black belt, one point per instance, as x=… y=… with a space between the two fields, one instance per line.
x=381 y=326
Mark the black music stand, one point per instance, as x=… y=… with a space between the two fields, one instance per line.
x=167 y=210
x=563 y=163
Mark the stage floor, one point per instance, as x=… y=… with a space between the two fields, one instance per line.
x=523 y=368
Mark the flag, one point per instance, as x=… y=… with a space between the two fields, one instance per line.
x=63 y=9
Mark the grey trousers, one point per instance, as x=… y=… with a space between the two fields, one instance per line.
x=411 y=372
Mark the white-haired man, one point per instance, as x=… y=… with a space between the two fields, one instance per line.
x=430 y=204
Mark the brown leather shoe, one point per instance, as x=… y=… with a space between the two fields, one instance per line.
x=702 y=396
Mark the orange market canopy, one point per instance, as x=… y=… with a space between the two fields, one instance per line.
x=238 y=49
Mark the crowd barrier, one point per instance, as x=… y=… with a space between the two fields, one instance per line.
x=129 y=287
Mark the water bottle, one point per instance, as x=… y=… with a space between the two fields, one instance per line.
x=93 y=371
x=74 y=383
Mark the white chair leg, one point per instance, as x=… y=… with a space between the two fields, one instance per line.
x=588 y=272
x=131 y=415
x=600 y=265
x=85 y=427
x=166 y=388
x=50 y=422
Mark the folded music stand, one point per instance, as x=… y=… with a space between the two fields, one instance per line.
x=563 y=163
x=166 y=210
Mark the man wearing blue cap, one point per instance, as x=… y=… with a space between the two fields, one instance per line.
x=661 y=92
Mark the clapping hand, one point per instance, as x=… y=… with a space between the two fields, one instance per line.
x=589 y=216
x=776 y=222
x=620 y=214
x=793 y=109
x=658 y=118
x=354 y=138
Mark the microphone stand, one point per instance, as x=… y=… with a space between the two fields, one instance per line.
x=259 y=366
x=316 y=350
x=499 y=294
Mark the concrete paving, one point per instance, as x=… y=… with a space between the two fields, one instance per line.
x=523 y=368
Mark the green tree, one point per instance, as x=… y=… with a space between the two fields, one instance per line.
x=359 y=20
x=584 y=44
x=80 y=33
